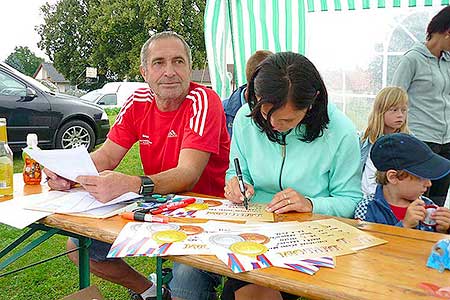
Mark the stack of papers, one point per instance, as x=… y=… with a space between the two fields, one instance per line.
x=67 y=163
x=299 y=246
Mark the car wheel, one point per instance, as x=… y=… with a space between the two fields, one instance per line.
x=75 y=133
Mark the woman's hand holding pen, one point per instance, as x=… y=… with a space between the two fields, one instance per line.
x=56 y=182
x=233 y=193
x=289 y=200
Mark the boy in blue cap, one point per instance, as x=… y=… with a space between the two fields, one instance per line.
x=405 y=168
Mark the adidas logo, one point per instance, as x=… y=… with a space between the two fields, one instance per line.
x=172 y=133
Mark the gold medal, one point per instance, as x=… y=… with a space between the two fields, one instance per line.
x=169 y=236
x=197 y=206
x=248 y=248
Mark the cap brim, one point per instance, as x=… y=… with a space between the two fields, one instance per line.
x=434 y=168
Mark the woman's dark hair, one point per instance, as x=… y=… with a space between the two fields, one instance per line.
x=440 y=22
x=283 y=77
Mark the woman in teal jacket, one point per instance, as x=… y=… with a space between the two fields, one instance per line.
x=297 y=152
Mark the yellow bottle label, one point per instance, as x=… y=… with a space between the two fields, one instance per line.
x=3 y=135
x=6 y=176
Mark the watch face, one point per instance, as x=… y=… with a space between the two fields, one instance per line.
x=147 y=186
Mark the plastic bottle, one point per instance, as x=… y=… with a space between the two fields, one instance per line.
x=31 y=170
x=6 y=162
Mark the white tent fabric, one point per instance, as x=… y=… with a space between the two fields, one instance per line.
x=247 y=26
x=244 y=26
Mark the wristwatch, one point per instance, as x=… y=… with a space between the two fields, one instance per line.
x=147 y=186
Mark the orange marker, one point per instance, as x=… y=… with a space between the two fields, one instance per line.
x=139 y=216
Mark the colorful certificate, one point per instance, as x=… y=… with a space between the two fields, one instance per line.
x=221 y=209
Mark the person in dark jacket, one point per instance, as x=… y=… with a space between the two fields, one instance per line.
x=405 y=168
x=239 y=96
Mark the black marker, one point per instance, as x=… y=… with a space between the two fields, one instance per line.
x=241 y=181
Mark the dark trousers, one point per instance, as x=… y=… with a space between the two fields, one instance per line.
x=439 y=189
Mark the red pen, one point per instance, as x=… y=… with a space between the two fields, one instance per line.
x=173 y=205
x=140 y=216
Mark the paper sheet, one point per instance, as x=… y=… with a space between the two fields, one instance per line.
x=67 y=163
x=221 y=209
x=285 y=244
x=14 y=214
x=158 y=239
x=74 y=201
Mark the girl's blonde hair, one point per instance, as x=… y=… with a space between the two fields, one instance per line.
x=386 y=99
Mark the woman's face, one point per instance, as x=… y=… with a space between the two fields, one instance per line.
x=285 y=118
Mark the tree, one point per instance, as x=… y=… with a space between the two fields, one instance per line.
x=66 y=37
x=108 y=34
x=24 y=60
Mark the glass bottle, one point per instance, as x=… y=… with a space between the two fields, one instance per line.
x=6 y=162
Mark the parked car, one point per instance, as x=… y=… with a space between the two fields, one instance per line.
x=113 y=94
x=59 y=120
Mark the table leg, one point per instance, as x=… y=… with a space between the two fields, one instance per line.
x=83 y=262
x=159 y=278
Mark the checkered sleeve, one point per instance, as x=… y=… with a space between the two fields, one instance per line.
x=361 y=208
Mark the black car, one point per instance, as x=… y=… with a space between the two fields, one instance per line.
x=59 y=120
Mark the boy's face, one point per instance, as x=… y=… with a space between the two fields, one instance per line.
x=412 y=187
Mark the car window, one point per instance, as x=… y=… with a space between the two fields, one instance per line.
x=92 y=95
x=109 y=99
x=11 y=87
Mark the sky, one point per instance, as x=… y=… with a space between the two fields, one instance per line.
x=17 y=21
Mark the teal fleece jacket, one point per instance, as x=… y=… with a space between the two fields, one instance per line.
x=327 y=170
x=426 y=79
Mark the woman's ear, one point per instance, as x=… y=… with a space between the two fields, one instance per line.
x=391 y=176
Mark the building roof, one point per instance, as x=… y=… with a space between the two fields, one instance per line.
x=202 y=76
x=52 y=74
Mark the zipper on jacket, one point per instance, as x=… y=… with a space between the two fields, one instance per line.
x=283 y=158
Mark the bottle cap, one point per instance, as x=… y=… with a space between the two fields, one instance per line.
x=32 y=139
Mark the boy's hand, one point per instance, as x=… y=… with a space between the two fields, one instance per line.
x=442 y=218
x=414 y=214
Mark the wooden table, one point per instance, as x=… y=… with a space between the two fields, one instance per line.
x=390 y=271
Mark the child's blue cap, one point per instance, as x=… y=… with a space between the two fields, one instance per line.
x=400 y=151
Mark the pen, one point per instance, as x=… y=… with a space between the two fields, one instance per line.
x=140 y=216
x=173 y=205
x=241 y=181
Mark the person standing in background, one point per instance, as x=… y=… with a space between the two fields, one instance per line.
x=424 y=73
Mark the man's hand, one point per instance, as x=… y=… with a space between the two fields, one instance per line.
x=109 y=185
x=56 y=182
x=414 y=214
x=233 y=193
x=442 y=218
x=289 y=200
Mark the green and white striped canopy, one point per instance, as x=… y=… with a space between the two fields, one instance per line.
x=244 y=26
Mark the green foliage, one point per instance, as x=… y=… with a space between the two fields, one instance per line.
x=66 y=36
x=108 y=34
x=24 y=60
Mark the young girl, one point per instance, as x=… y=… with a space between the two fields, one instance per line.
x=388 y=115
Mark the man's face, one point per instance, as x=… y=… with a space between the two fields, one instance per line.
x=168 y=71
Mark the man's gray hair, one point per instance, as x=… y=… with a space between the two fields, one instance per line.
x=164 y=35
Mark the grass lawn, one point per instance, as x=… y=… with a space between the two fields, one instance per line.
x=58 y=278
